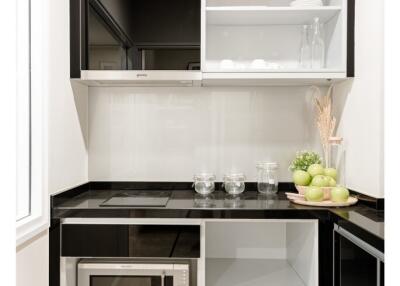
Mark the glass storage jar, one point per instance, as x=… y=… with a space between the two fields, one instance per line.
x=204 y=183
x=234 y=183
x=267 y=181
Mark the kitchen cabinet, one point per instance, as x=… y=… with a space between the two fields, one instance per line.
x=355 y=261
x=205 y=42
x=119 y=240
x=123 y=42
x=266 y=252
x=258 y=42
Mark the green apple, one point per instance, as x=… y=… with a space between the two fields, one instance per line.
x=301 y=178
x=320 y=181
x=315 y=170
x=331 y=172
x=339 y=194
x=314 y=194
x=332 y=181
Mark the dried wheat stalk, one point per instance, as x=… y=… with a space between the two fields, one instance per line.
x=325 y=121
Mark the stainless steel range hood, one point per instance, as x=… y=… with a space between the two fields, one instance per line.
x=140 y=78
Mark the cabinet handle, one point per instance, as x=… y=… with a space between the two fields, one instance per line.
x=360 y=243
x=141 y=75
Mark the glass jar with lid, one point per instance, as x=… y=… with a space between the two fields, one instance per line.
x=204 y=183
x=267 y=177
x=234 y=183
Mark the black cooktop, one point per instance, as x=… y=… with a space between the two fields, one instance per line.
x=138 y=199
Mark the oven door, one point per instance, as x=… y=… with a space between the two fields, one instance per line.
x=132 y=274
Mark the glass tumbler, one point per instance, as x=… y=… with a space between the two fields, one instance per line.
x=267 y=173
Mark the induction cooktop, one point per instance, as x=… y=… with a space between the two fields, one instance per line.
x=138 y=199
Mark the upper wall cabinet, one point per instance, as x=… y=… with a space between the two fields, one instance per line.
x=211 y=42
x=256 y=42
x=143 y=42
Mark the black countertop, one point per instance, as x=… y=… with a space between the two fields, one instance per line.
x=85 y=201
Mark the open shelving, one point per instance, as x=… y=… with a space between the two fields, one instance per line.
x=260 y=253
x=257 y=42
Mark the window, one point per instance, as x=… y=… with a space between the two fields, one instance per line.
x=31 y=192
x=23 y=89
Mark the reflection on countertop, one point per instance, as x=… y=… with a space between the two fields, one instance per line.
x=186 y=203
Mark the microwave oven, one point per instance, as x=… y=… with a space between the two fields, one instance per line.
x=92 y=272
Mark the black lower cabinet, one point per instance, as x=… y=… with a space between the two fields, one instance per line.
x=178 y=241
x=355 y=263
x=357 y=267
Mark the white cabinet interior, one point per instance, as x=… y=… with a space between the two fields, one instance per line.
x=268 y=252
x=236 y=36
x=261 y=40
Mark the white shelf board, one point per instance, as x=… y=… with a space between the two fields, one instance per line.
x=256 y=15
x=250 y=272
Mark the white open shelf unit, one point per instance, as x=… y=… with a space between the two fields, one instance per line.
x=236 y=33
x=261 y=253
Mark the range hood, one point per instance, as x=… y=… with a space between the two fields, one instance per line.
x=140 y=78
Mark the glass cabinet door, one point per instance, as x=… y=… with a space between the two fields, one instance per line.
x=143 y=35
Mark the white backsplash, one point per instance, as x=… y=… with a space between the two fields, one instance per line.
x=168 y=134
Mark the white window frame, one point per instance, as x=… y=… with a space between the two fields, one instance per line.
x=38 y=218
x=23 y=90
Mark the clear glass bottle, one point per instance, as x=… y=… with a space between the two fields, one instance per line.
x=305 y=49
x=317 y=46
x=267 y=182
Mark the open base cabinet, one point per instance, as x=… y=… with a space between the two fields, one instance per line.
x=273 y=252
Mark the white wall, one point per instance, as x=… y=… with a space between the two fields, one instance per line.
x=360 y=103
x=67 y=108
x=67 y=138
x=33 y=261
x=168 y=134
